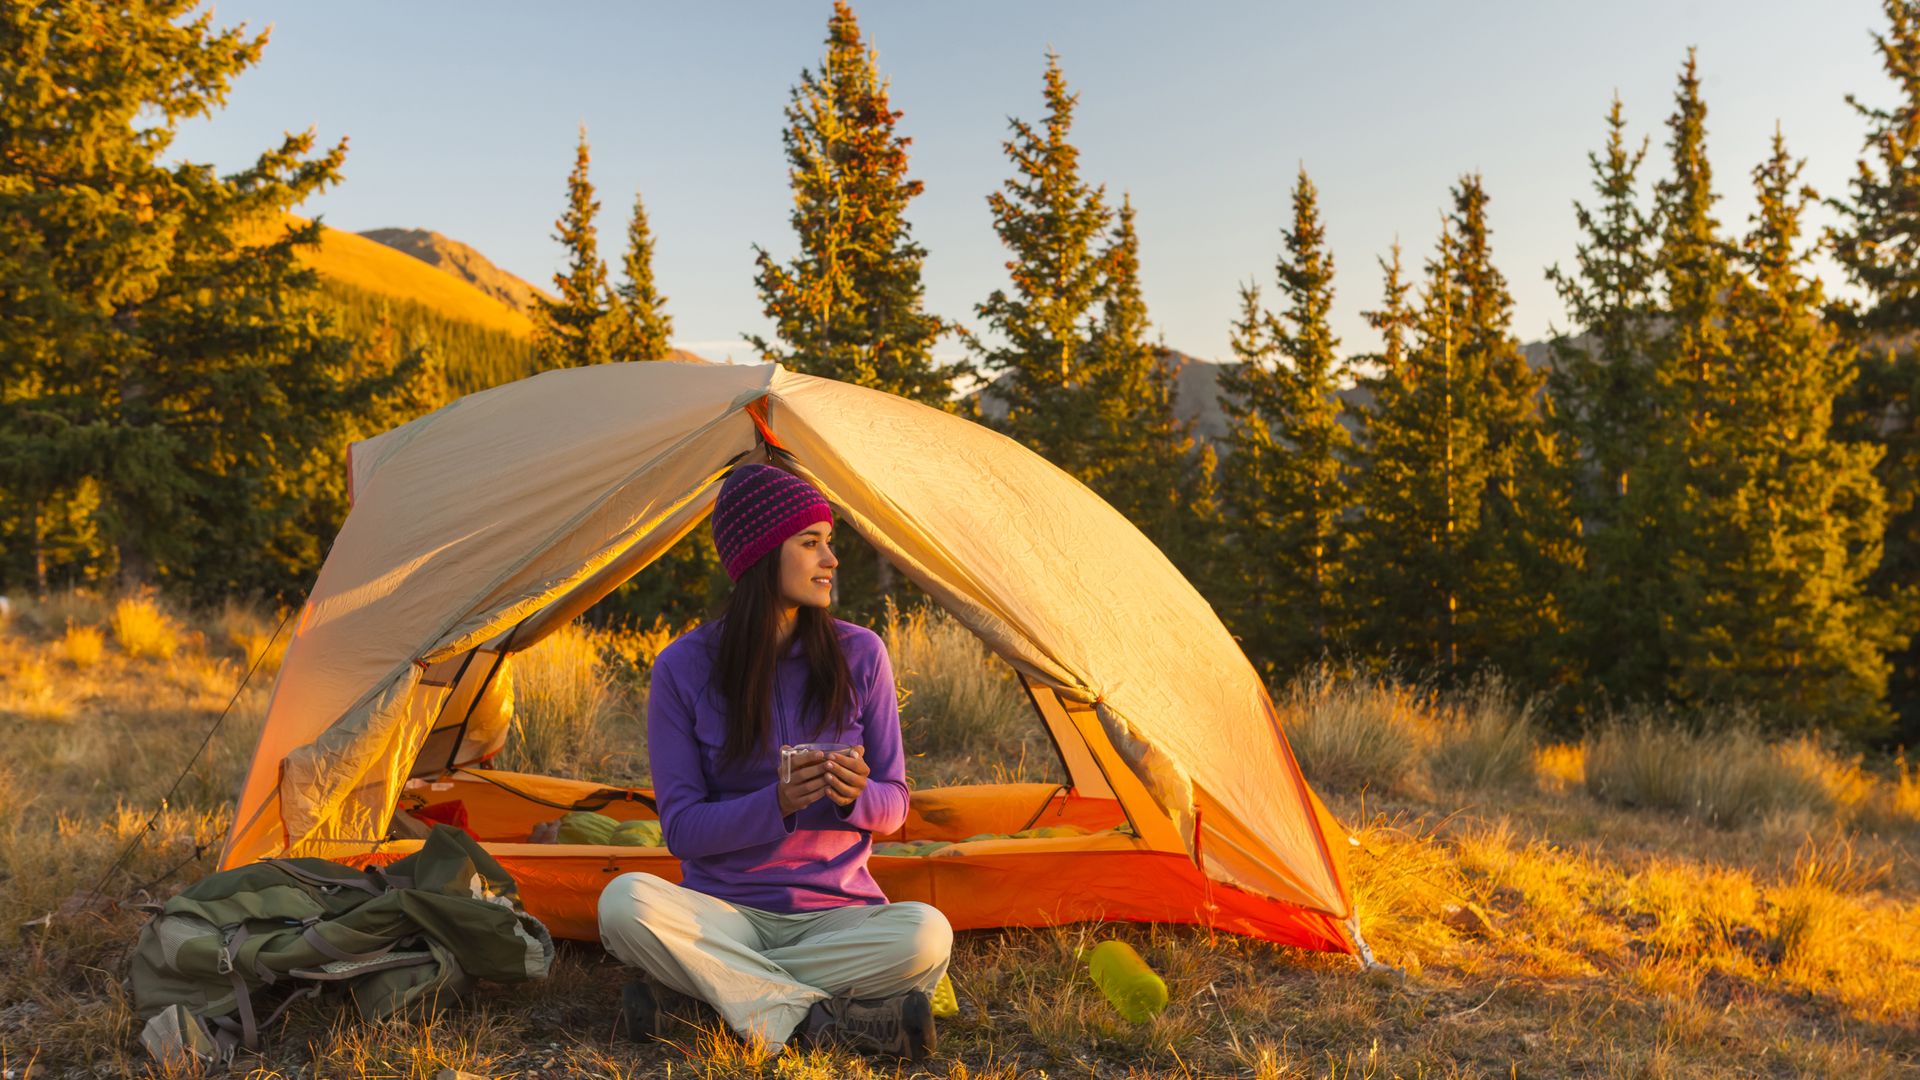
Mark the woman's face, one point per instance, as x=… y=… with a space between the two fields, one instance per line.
x=807 y=567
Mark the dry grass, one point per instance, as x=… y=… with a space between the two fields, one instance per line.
x=255 y=637
x=82 y=646
x=1724 y=772
x=568 y=718
x=1356 y=733
x=1485 y=737
x=143 y=630
x=1369 y=731
x=963 y=715
x=1609 y=941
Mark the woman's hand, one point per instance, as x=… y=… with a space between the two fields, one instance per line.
x=846 y=773
x=808 y=784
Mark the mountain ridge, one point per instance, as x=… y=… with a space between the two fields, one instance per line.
x=462 y=261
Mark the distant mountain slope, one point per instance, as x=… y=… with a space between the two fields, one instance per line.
x=354 y=260
x=463 y=262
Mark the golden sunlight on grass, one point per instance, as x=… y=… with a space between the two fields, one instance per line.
x=143 y=631
x=1657 y=899
x=82 y=646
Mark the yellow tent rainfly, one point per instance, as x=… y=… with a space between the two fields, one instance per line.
x=482 y=527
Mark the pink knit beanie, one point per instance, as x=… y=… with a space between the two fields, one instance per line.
x=758 y=508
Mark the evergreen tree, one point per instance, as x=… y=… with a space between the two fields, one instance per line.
x=1878 y=244
x=851 y=305
x=1422 y=466
x=1525 y=540
x=161 y=350
x=1791 y=626
x=578 y=327
x=1693 y=451
x=1604 y=411
x=1145 y=463
x=1051 y=222
x=643 y=329
x=1285 y=487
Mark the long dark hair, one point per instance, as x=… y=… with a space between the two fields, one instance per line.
x=743 y=670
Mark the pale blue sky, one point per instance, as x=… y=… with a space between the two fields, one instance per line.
x=462 y=119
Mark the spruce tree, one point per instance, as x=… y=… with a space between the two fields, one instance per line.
x=1792 y=627
x=1604 y=409
x=161 y=349
x=1876 y=245
x=642 y=328
x=577 y=327
x=1418 y=462
x=1287 y=497
x=1693 y=455
x=1145 y=463
x=1520 y=554
x=851 y=305
x=1051 y=222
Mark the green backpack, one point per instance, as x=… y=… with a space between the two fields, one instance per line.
x=234 y=944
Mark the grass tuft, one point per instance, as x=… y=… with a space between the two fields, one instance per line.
x=143 y=631
x=959 y=702
x=1349 y=734
x=1723 y=772
x=250 y=633
x=560 y=696
x=82 y=646
x=1486 y=737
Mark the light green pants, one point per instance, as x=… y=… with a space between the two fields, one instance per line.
x=762 y=970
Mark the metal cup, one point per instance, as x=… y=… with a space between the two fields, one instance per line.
x=787 y=753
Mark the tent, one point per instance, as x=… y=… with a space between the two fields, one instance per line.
x=484 y=526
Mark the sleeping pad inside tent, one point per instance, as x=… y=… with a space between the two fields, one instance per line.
x=479 y=529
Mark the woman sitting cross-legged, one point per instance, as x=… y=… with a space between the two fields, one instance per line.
x=776 y=922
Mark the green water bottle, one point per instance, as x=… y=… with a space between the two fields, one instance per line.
x=1135 y=991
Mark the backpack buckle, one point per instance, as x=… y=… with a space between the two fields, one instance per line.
x=225 y=964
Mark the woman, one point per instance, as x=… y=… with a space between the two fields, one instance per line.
x=777 y=923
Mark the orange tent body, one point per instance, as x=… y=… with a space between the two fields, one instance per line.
x=483 y=527
x=985 y=883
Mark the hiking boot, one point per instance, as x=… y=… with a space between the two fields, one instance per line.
x=641 y=1010
x=899 y=1026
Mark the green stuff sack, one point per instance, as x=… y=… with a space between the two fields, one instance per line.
x=637 y=833
x=587 y=827
x=229 y=954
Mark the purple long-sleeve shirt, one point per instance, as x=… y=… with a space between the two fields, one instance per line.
x=723 y=820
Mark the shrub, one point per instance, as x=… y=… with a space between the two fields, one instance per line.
x=1895 y=802
x=142 y=630
x=1351 y=733
x=49 y=616
x=82 y=646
